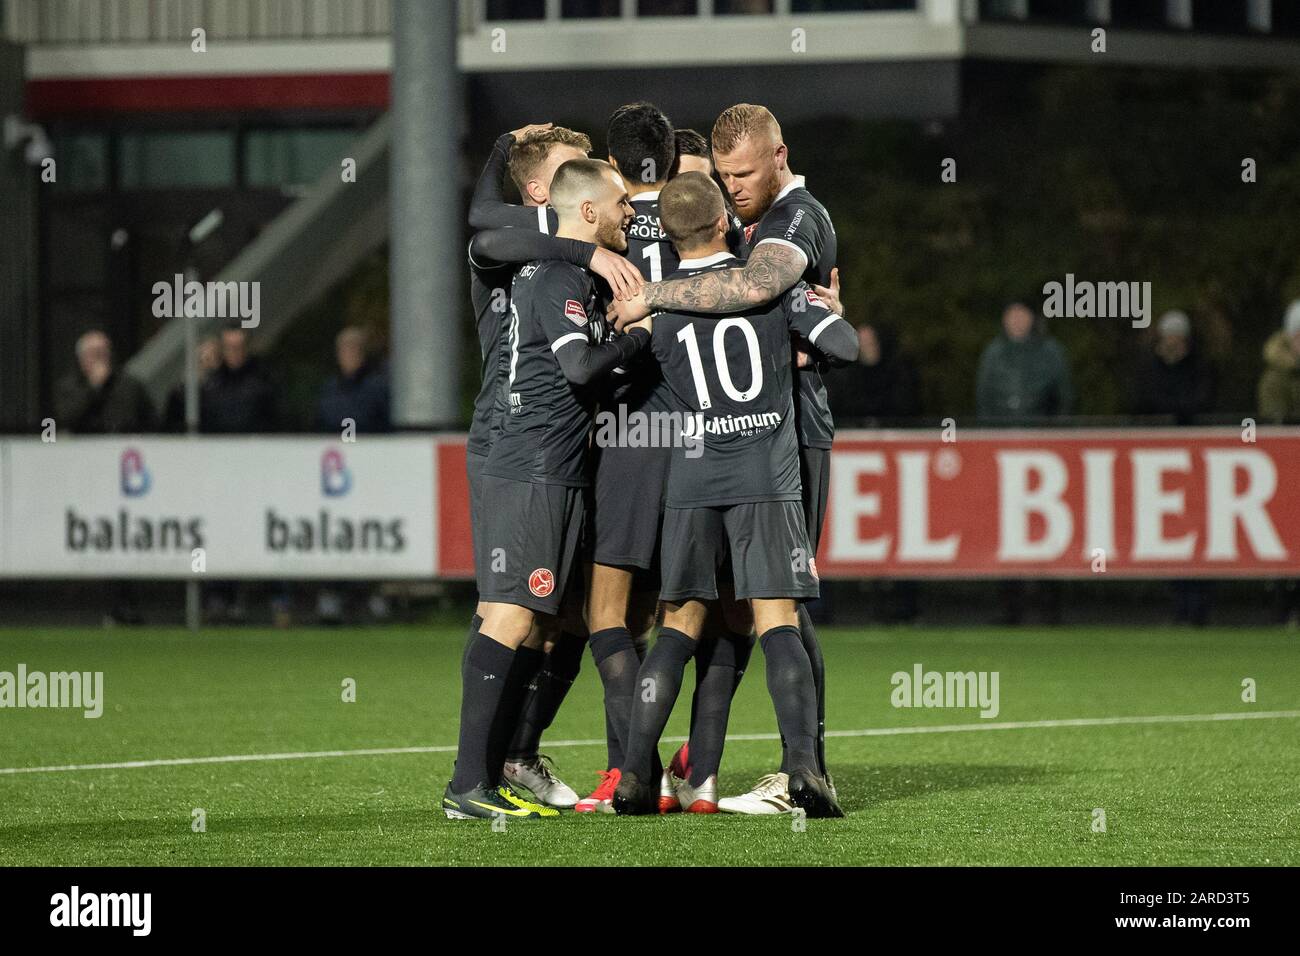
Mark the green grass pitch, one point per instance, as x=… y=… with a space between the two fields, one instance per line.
x=1210 y=792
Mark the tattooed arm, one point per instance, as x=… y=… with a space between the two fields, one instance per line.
x=772 y=268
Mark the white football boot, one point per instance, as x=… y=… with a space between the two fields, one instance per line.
x=668 y=802
x=701 y=799
x=537 y=777
x=770 y=795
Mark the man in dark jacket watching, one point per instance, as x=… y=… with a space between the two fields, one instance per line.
x=881 y=385
x=1023 y=373
x=237 y=398
x=359 y=391
x=1023 y=376
x=1174 y=379
x=98 y=399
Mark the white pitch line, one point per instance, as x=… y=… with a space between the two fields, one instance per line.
x=868 y=732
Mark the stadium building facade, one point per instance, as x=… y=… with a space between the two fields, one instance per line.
x=182 y=131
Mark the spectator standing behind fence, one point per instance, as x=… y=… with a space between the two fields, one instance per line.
x=1279 y=386
x=208 y=361
x=1023 y=373
x=1023 y=376
x=880 y=385
x=1279 y=401
x=1174 y=379
x=237 y=397
x=98 y=399
x=358 y=392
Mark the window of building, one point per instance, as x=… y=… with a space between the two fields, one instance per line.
x=1062 y=11
x=516 y=9
x=1221 y=16
x=742 y=6
x=845 y=6
x=666 y=8
x=590 y=9
x=1286 y=17
x=1139 y=13
x=292 y=157
x=999 y=10
x=82 y=162
x=171 y=160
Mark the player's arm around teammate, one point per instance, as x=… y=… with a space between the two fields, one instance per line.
x=533 y=480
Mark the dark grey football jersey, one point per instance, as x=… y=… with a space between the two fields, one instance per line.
x=543 y=433
x=640 y=385
x=489 y=290
x=799 y=220
x=731 y=375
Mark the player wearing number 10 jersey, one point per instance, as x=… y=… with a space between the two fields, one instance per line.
x=733 y=507
x=791 y=239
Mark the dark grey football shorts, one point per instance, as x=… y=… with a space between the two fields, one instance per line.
x=527 y=543
x=474 y=472
x=766 y=543
x=815 y=473
x=627 y=517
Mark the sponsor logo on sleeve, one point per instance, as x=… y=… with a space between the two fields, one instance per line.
x=574 y=312
x=794 y=224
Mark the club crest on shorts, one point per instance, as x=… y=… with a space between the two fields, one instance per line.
x=812 y=568
x=541 y=582
x=574 y=312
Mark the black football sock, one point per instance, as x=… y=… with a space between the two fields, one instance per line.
x=613 y=746
x=658 y=683
x=790 y=683
x=528 y=661
x=616 y=659
x=715 y=675
x=715 y=679
x=475 y=624
x=546 y=694
x=483 y=677
x=642 y=645
x=813 y=648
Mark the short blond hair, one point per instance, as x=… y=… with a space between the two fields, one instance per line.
x=530 y=152
x=741 y=122
x=689 y=207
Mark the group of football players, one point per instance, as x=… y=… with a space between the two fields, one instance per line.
x=689 y=287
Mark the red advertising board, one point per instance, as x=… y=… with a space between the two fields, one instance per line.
x=1167 y=503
